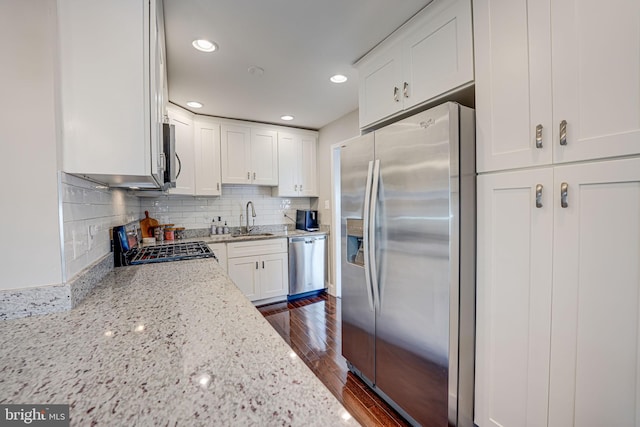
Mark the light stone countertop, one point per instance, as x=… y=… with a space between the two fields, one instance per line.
x=172 y=343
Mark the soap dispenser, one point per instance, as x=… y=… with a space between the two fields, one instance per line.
x=226 y=228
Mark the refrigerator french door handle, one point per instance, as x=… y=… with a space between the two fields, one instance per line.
x=371 y=230
x=365 y=235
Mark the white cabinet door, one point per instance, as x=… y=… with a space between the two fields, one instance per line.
x=438 y=54
x=264 y=157
x=429 y=56
x=307 y=161
x=245 y=274
x=296 y=166
x=274 y=275
x=208 y=180
x=596 y=64
x=513 y=298
x=235 y=152
x=183 y=122
x=109 y=110
x=379 y=89
x=513 y=83
x=595 y=338
x=288 y=169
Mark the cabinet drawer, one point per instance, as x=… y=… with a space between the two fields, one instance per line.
x=259 y=247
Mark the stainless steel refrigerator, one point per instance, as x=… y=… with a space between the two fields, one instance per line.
x=408 y=263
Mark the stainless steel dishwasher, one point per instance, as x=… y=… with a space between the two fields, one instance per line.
x=307 y=256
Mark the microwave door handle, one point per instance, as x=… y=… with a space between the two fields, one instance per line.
x=365 y=236
x=371 y=230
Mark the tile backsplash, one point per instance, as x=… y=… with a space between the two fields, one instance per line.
x=89 y=212
x=197 y=212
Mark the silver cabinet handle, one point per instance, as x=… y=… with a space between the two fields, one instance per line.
x=564 y=193
x=539 y=136
x=295 y=187
x=218 y=186
x=248 y=175
x=405 y=90
x=254 y=176
x=563 y=132
x=256 y=265
x=539 y=196
x=395 y=94
x=263 y=265
x=300 y=187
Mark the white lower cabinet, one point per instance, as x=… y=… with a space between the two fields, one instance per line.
x=220 y=250
x=558 y=303
x=260 y=269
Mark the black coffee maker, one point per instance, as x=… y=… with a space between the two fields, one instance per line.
x=307 y=220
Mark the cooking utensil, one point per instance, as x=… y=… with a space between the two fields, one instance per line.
x=147 y=224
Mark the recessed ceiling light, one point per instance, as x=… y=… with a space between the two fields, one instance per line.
x=287 y=117
x=205 y=45
x=338 y=78
x=194 y=104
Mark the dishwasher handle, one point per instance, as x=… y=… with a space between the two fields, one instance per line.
x=306 y=239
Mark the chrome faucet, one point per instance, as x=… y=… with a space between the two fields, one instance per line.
x=253 y=214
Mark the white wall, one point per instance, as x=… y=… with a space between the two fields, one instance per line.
x=30 y=254
x=344 y=128
x=337 y=131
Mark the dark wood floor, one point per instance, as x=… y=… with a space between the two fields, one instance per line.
x=312 y=327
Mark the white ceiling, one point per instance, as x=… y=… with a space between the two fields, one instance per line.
x=299 y=44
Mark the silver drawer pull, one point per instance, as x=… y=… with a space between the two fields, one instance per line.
x=539 y=136
x=254 y=176
x=248 y=175
x=563 y=132
x=396 y=91
x=564 y=195
x=256 y=265
x=405 y=90
x=539 y=188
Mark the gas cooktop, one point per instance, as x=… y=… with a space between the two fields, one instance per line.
x=169 y=252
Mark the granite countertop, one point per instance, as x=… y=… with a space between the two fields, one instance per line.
x=163 y=344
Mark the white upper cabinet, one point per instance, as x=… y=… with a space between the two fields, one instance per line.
x=264 y=157
x=513 y=83
x=556 y=81
x=235 y=152
x=596 y=83
x=429 y=56
x=186 y=174
x=208 y=177
x=249 y=155
x=296 y=165
x=198 y=151
x=112 y=76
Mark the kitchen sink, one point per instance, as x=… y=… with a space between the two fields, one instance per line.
x=252 y=235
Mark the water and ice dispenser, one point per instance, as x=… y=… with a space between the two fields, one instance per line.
x=355 y=246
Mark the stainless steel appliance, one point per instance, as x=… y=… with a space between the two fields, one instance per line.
x=127 y=251
x=307 y=220
x=172 y=163
x=306 y=265
x=408 y=263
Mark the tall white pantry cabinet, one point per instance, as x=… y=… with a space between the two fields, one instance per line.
x=558 y=144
